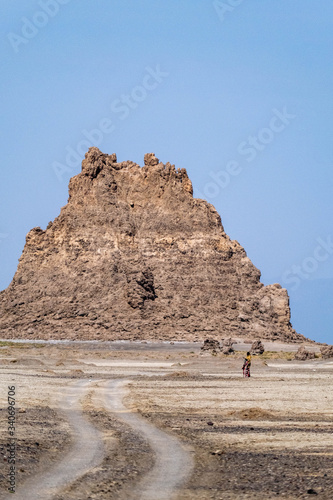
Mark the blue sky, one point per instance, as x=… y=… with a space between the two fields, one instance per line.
x=237 y=92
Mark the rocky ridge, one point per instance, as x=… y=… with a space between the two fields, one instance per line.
x=134 y=256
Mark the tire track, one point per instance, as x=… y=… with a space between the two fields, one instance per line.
x=173 y=464
x=86 y=453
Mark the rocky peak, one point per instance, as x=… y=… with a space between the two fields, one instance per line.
x=104 y=177
x=134 y=255
x=151 y=160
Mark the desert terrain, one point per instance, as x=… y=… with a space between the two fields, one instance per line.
x=130 y=420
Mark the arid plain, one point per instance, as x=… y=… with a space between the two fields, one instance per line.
x=130 y=420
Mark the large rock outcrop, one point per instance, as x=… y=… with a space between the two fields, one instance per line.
x=134 y=255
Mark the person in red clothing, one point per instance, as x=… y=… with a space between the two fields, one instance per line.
x=247 y=365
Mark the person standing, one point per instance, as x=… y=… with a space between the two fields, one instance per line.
x=247 y=365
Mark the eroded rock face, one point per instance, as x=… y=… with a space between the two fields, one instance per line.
x=134 y=255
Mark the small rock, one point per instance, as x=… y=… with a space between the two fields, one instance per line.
x=227 y=346
x=327 y=351
x=211 y=345
x=257 y=347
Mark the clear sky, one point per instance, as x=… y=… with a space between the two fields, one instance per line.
x=237 y=92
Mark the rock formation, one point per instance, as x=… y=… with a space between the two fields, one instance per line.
x=326 y=351
x=211 y=345
x=302 y=354
x=227 y=346
x=133 y=255
x=257 y=347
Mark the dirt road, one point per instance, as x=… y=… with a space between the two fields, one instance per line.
x=86 y=452
x=173 y=464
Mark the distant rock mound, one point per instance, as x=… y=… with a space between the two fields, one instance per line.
x=257 y=347
x=211 y=345
x=302 y=354
x=227 y=346
x=133 y=255
x=326 y=351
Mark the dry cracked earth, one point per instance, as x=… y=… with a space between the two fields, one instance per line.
x=138 y=420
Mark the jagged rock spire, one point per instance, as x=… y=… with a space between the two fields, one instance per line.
x=134 y=255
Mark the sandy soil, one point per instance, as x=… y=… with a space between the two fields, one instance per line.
x=265 y=437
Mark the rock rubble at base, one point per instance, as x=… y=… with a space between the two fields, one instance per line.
x=227 y=346
x=326 y=351
x=214 y=346
x=302 y=354
x=257 y=347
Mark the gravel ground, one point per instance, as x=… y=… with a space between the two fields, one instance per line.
x=265 y=437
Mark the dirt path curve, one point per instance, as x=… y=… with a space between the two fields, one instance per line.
x=87 y=452
x=173 y=464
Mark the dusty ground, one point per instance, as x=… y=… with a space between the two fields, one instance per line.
x=265 y=437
